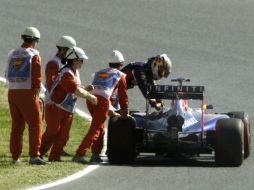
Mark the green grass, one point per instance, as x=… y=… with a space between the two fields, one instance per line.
x=24 y=175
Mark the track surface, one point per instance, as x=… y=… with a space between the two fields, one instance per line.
x=210 y=42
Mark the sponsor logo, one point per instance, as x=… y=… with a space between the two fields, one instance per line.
x=169 y=88
x=18 y=62
x=189 y=122
x=103 y=75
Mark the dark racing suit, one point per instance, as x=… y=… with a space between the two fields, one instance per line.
x=140 y=74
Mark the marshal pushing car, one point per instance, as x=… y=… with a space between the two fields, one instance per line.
x=180 y=129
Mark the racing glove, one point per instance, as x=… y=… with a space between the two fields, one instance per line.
x=80 y=92
x=156 y=104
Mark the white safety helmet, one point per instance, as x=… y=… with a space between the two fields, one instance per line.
x=76 y=53
x=66 y=41
x=161 y=62
x=31 y=32
x=116 y=57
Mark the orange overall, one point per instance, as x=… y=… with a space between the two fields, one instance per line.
x=99 y=113
x=24 y=107
x=51 y=73
x=58 y=120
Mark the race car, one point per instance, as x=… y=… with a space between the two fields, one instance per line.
x=180 y=129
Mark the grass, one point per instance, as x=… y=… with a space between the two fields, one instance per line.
x=24 y=175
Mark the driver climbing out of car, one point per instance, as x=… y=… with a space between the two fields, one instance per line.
x=144 y=74
x=104 y=82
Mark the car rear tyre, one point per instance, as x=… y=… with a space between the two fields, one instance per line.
x=121 y=140
x=229 y=146
x=247 y=135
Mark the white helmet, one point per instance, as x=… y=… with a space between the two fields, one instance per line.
x=116 y=57
x=32 y=32
x=76 y=53
x=66 y=41
x=161 y=62
x=167 y=64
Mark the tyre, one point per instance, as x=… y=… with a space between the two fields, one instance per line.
x=229 y=143
x=247 y=135
x=121 y=145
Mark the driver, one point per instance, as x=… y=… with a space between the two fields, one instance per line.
x=143 y=74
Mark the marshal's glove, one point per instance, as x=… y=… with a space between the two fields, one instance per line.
x=89 y=87
x=80 y=92
x=91 y=98
x=124 y=114
x=112 y=113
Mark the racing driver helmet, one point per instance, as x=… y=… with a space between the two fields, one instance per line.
x=161 y=66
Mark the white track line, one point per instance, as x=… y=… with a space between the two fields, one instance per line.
x=2 y=80
x=77 y=175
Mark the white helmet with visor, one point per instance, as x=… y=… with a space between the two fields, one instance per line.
x=161 y=66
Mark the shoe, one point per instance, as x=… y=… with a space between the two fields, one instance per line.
x=64 y=153
x=96 y=158
x=37 y=161
x=58 y=160
x=80 y=160
x=16 y=162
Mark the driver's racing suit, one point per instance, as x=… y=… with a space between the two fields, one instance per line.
x=140 y=74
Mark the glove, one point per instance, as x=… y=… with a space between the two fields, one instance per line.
x=158 y=105
x=124 y=114
x=112 y=113
x=89 y=87
x=91 y=98
x=80 y=92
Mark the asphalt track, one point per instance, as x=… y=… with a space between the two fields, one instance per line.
x=210 y=42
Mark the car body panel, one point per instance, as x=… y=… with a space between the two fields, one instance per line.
x=192 y=119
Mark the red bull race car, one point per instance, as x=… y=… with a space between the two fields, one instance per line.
x=180 y=129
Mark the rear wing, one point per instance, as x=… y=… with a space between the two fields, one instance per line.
x=171 y=92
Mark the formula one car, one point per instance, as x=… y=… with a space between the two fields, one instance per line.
x=180 y=129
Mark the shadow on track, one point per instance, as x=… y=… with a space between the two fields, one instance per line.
x=172 y=161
